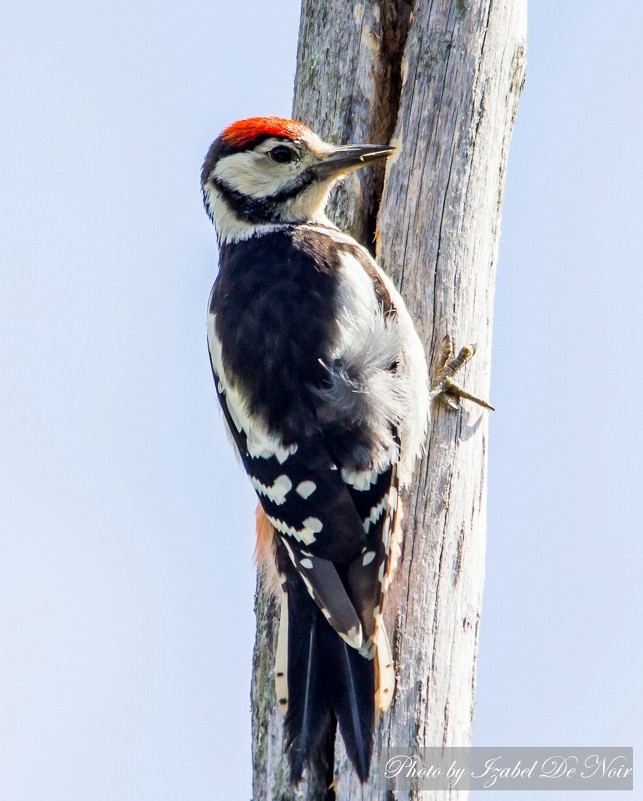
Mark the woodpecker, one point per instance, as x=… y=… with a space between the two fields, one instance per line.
x=324 y=388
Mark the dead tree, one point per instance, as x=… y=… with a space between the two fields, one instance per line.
x=439 y=79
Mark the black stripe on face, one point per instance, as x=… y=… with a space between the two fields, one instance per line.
x=262 y=209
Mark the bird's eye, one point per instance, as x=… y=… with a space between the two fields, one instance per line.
x=281 y=154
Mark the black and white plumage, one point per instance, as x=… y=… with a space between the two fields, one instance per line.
x=323 y=385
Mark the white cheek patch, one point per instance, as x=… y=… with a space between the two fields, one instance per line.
x=253 y=174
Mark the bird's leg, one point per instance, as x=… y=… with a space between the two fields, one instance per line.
x=442 y=384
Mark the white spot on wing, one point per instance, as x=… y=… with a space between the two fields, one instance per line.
x=376 y=513
x=353 y=636
x=368 y=558
x=361 y=480
x=386 y=535
x=306 y=563
x=306 y=488
x=306 y=534
x=277 y=491
x=280 y=454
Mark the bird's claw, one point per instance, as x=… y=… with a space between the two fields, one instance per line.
x=442 y=384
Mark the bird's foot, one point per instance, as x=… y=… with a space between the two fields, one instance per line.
x=442 y=384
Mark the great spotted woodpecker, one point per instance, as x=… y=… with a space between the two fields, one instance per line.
x=323 y=384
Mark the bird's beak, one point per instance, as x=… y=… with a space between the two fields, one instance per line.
x=350 y=157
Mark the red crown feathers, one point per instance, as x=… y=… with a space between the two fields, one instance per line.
x=243 y=132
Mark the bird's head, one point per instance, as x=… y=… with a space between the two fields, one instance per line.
x=266 y=170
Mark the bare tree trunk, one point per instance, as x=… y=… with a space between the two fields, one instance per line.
x=440 y=79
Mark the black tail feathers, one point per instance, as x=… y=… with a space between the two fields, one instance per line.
x=350 y=682
x=326 y=679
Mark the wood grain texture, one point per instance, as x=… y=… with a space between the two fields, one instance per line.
x=441 y=80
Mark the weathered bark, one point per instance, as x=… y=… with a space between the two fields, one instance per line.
x=441 y=81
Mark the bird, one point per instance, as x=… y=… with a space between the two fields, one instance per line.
x=325 y=392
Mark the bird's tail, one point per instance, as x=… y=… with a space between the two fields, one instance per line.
x=327 y=680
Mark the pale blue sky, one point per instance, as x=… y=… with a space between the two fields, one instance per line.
x=126 y=576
